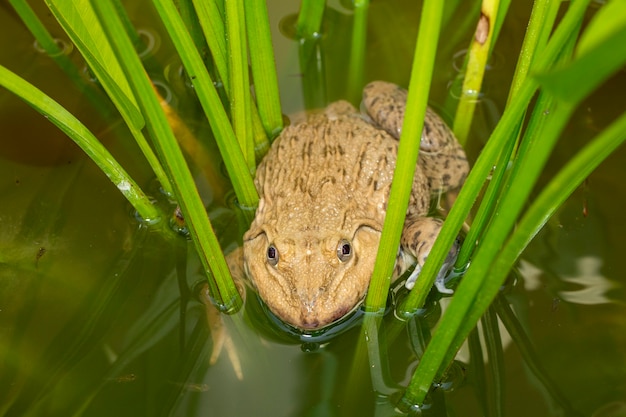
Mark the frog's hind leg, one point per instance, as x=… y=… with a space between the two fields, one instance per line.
x=441 y=157
x=418 y=238
x=385 y=103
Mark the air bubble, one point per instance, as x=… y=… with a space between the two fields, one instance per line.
x=458 y=59
x=151 y=42
x=164 y=91
x=89 y=75
x=287 y=26
x=453 y=378
x=65 y=48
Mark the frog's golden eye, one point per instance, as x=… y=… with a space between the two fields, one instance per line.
x=272 y=255
x=344 y=250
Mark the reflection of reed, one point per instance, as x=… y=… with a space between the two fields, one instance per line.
x=594 y=286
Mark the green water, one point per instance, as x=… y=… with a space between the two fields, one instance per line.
x=98 y=315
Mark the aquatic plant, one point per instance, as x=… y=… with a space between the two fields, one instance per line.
x=556 y=70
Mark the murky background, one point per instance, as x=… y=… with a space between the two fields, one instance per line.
x=98 y=314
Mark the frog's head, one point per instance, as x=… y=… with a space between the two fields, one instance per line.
x=310 y=279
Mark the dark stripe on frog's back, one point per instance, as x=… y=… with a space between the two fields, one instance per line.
x=336 y=149
x=325 y=157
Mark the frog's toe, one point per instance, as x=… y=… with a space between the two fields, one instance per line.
x=440 y=281
x=418 y=239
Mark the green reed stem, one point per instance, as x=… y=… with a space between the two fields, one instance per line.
x=82 y=27
x=80 y=23
x=34 y=25
x=234 y=160
x=72 y=127
x=190 y=18
x=543 y=207
x=310 y=54
x=536 y=25
x=212 y=23
x=508 y=210
x=408 y=150
x=558 y=190
x=211 y=17
x=461 y=30
x=310 y=17
x=49 y=44
x=511 y=118
x=454 y=323
x=357 y=50
x=128 y=23
x=464 y=311
x=313 y=69
x=263 y=67
x=240 y=100
x=478 y=53
x=222 y=289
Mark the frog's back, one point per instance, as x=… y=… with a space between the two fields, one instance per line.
x=331 y=163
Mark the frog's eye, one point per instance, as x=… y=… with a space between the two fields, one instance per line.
x=344 y=250
x=272 y=255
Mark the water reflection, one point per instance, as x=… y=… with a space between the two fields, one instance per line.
x=595 y=287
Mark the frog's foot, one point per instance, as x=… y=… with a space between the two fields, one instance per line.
x=418 y=239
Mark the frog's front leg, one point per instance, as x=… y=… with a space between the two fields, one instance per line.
x=418 y=238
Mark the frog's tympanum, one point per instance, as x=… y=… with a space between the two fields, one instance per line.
x=324 y=188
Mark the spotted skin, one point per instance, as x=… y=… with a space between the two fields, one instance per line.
x=324 y=188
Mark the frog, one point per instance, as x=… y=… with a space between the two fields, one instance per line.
x=324 y=190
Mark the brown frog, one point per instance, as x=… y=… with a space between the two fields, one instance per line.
x=324 y=188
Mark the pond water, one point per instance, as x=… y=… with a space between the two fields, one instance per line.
x=98 y=315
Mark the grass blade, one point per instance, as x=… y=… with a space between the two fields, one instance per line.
x=478 y=54
x=408 y=150
x=212 y=23
x=223 y=289
x=591 y=67
x=240 y=101
x=536 y=25
x=263 y=67
x=464 y=310
x=72 y=127
x=81 y=25
x=357 y=50
x=34 y=25
x=79 y=22
x=511 y=118
x=310 y=17
x=234 y=161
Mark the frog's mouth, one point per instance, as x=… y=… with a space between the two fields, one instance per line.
x=320 y=334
